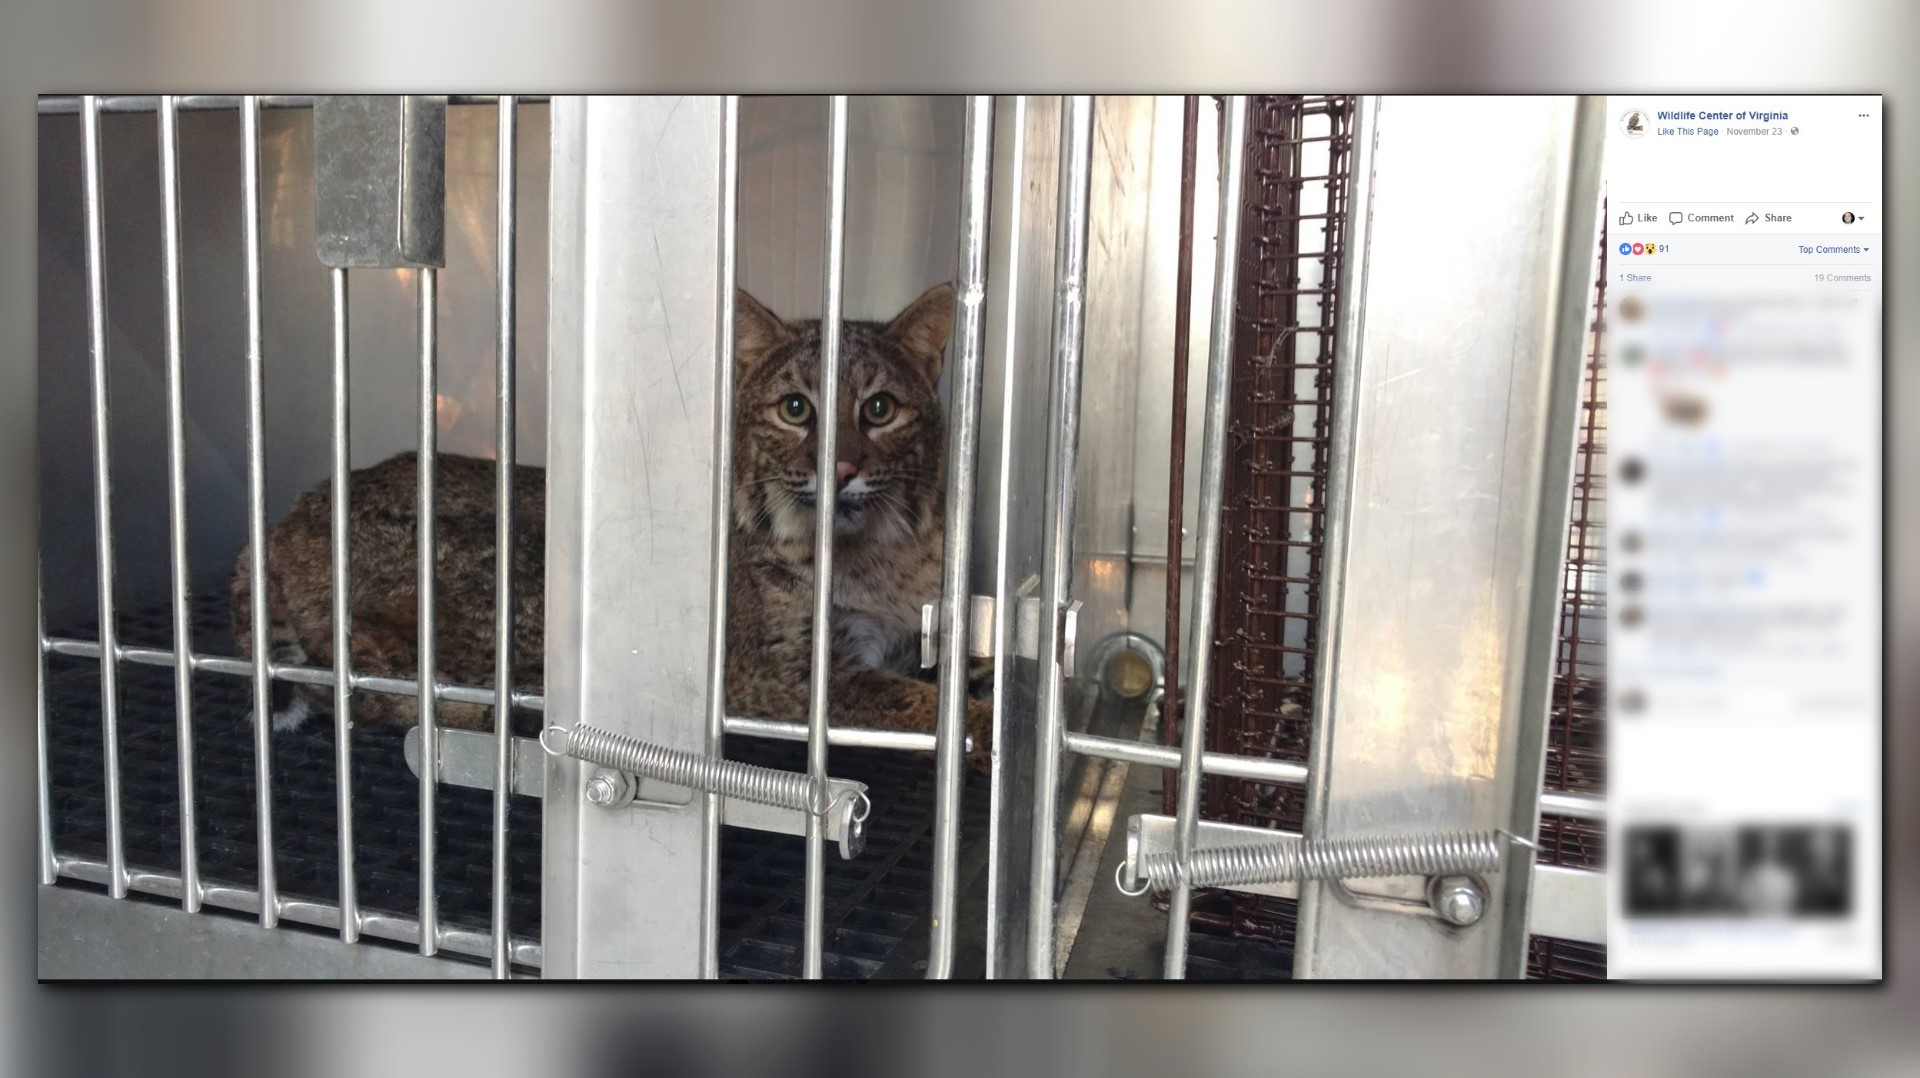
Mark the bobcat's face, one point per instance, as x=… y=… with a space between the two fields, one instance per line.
x=891 y=440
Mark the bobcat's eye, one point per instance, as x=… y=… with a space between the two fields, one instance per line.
x=880 y=409
x=795 y=408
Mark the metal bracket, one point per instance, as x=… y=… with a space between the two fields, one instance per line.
x=380 y=180
x=1026 y=631
x=979 y=631
x=467 y=759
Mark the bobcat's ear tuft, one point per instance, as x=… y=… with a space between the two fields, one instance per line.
x=923 y=328
x=756 y=330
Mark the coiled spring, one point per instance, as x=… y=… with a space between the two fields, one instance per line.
x=1435 y=854
x=761 y=785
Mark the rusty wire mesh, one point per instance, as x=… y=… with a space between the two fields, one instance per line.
x=1279 y=445
x=1576 y=725
x=1294 y=228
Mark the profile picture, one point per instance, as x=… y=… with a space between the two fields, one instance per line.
x=1847 y=218
x=1684 y=409
x=1633 y=123
x=1632 y=308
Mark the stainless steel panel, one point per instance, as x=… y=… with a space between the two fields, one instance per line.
x=1124 y=288
x=1068 y=347
x=629 y=513
x=1451 y=470
x=1013 y=437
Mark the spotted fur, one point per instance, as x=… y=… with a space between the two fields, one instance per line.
x=888 y=540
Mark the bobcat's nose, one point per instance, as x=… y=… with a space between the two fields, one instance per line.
x=843 y=473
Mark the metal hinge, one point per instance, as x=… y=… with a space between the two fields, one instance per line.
x=980 y=631
x=467 y=759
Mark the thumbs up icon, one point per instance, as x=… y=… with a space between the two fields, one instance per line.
x=1626 y=219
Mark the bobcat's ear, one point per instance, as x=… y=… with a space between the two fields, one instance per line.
x=922 y=329
x=756 y=330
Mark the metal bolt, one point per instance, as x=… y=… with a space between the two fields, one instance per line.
x=1458 y=900
x=602 y=789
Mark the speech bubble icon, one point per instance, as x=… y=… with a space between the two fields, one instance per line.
x=1675 y=217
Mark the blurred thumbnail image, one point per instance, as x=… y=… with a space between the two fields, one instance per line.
x=1753 y=871
x=1684 y=409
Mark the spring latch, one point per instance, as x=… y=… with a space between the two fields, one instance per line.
x=791 y=790
x=1446 y=858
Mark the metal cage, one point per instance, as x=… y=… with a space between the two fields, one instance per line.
x=552 y=283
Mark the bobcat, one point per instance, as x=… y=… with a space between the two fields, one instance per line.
x=888 y=529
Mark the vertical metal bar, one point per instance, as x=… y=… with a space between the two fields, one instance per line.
x=1213 y=462
x=103 y=488
x=505 y=454
x=1056 y=577
x=826 y=492
x=428 y=668
x=1177 y=441
x=343 y=614
x=720 y=555
x=963 y=450
x=48 y=870
x=257 y=516
x=1000 y=920
x=177 y=497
